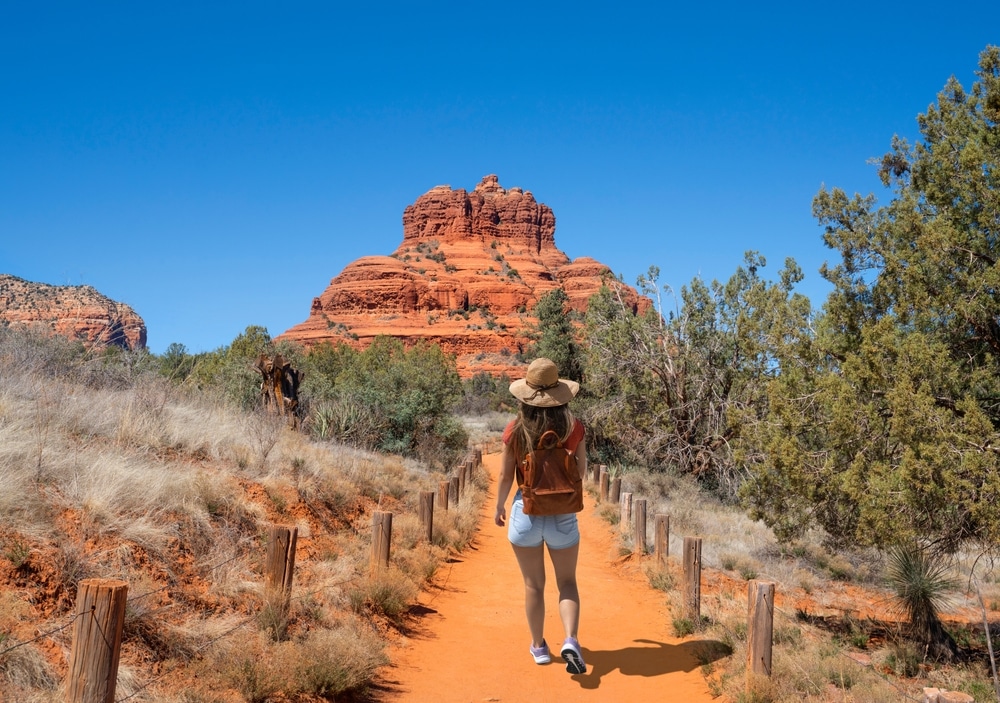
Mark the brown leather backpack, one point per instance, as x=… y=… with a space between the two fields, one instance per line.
x=550 y=480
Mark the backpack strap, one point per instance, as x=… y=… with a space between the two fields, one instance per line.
x=548 y=440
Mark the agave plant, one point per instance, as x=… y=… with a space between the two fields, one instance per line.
x=922 y=582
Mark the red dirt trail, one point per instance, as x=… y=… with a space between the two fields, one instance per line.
x=470 y=642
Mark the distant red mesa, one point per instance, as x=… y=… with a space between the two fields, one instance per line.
x=77 y=312
x=470 y=269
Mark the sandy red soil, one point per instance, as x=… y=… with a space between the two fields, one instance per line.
x=470 y=639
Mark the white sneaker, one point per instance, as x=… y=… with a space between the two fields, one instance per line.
x=573 y=656
x=540 y=654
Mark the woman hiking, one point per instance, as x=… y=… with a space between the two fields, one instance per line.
x=544 y=419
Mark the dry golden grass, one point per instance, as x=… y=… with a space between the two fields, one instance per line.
x=810 y=663
x=121 y=475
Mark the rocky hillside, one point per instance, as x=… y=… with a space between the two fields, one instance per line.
x=77 y=312
x=469 y=270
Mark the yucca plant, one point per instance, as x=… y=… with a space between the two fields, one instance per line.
x=921 y=581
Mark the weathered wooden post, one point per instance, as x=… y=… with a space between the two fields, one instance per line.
x=427 y=514
x=279 y=568
x=604 y=484
x=470 y=471
x=444 y=488
x=461 y=480
x=760 y=628
x=381 y=539
x=615 y=492
x=598 y=468
x=453 y=495
x=639 y=520
x=479 y=458
x=625 y=516
x=692 y=579
x=661 y=528
x=97 y=641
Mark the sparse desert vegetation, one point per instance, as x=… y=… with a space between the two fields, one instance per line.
x=110 y=470
x=841 y=630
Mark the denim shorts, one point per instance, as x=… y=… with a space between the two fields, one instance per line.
x=557 y=531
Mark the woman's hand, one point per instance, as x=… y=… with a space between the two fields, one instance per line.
x=500 y=517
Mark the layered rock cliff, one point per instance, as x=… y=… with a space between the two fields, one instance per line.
x=77 y=312
x=470 y=269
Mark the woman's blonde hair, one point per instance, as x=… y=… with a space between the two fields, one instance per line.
x=533 y=421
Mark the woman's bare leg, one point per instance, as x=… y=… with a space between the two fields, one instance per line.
x=564 y=565
x=532 y=563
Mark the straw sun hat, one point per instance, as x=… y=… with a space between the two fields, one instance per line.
x=542 y=386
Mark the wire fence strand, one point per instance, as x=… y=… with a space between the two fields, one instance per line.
x=204 y=647
x=42 y=636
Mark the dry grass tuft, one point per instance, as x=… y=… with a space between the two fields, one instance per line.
x=322 y=663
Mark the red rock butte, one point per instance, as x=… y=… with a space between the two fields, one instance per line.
x=469 y=271
x=77 y=312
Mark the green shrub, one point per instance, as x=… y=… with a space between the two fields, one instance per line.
x=386 y=397
x=683 y=627
x=661 y=579
x=484 y=393
x=386 y=594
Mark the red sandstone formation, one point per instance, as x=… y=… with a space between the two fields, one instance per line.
x=470 y=269
x=77 y=312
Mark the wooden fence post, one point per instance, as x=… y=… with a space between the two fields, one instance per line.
x=444 y=487
x=615 y=492
x=97 y=641
x=427 y=514
x=692 y=579
x=470 y=471
x=598 y=468
x=604 y=484
x=478 y=458
x=639 y=537
x=662 y=538
x=279 y=568
x=625 y=517
x=461 y=479
x=760 y=628
x=453 y=495
x=381 y=539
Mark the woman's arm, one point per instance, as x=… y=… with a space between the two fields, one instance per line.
x=506 y=481
x=581 y=458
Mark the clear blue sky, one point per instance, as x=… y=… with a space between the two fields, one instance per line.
x=214 y=164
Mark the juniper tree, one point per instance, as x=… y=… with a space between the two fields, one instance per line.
x=555 y=335
x=679 y=388
x=895 y=433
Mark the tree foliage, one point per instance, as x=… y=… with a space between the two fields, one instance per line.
x=555 y=335
x=386 y=397
x=677 y=390
x=892 y=434
x=484 y=393
x=229 y=370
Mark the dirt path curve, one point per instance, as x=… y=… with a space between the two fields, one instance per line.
x=470 y=642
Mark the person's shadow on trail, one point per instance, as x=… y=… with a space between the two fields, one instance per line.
x=649 y=658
